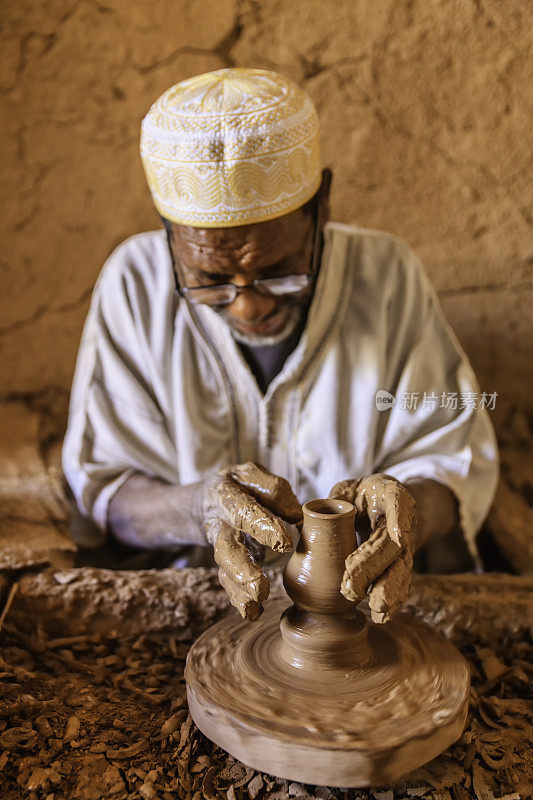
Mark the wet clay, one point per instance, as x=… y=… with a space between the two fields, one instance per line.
x=247 y=499
x=315 y=692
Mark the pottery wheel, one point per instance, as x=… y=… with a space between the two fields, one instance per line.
x=327 y=698
x=398 y=712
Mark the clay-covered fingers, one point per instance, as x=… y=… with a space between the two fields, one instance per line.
x=368 y=562
x=390 y=591
x=247 y=501
x=345 y=490
x=273 y=492
x=233 y=504
x=381 y=495
x=381 y=566
x=247 y=607
x=237 y=563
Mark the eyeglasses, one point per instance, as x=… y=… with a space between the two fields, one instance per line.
x=222 y=294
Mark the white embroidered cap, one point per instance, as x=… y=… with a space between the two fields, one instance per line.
x=231 y=147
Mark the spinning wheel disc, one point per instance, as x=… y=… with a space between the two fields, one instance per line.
x=401 y=702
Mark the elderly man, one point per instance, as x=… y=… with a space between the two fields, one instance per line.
x=254 y=355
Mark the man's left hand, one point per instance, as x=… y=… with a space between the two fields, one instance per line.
x=381 y=565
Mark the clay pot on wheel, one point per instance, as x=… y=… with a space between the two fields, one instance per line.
x=322 y=629
x=316 y=692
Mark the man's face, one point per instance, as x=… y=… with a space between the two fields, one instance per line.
x=240 y=255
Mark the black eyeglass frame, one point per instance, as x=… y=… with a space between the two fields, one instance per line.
x=259 y=285
x=185 y=290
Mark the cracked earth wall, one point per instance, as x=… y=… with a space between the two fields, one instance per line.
x=425 y=121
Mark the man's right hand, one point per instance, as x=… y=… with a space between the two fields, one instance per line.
x=247 y=499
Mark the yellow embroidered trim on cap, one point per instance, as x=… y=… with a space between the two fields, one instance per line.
x=231 y=147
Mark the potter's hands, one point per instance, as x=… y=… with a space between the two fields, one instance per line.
x=381 y=566
x=247 y=499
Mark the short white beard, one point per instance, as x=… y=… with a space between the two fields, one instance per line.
x=255 y=340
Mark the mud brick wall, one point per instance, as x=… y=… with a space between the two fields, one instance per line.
x=426 y=122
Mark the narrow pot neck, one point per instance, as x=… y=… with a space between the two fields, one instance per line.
x=327 y=523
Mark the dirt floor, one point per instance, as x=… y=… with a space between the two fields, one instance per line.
x=93 y=697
